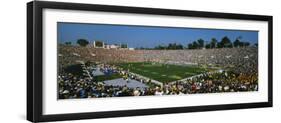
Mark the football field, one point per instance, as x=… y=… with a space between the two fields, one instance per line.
x=162 y=72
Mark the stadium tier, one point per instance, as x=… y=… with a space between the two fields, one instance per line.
x=87 y=72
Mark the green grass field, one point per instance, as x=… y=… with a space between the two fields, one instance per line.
x=162 y=72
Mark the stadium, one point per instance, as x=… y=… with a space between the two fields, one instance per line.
x=113 y=71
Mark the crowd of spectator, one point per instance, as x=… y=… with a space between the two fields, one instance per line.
x=73 y=86
x=244 y=58
x=240 y=71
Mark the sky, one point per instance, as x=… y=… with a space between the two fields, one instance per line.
x=145 y=36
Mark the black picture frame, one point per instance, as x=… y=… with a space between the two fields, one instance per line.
x=34 y=60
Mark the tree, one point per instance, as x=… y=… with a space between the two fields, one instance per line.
x=200 y=43
x=172 y=46
x=160 y=47
x=190 y=46
x=179 y=47
x=124 y=46
x=256 y=44
x=213 y=43
x=82 y=42
x=208 y=46
x=67 y=43
x=225 y=42
x=237 y=43
x=195 y=45
x=220 y=45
